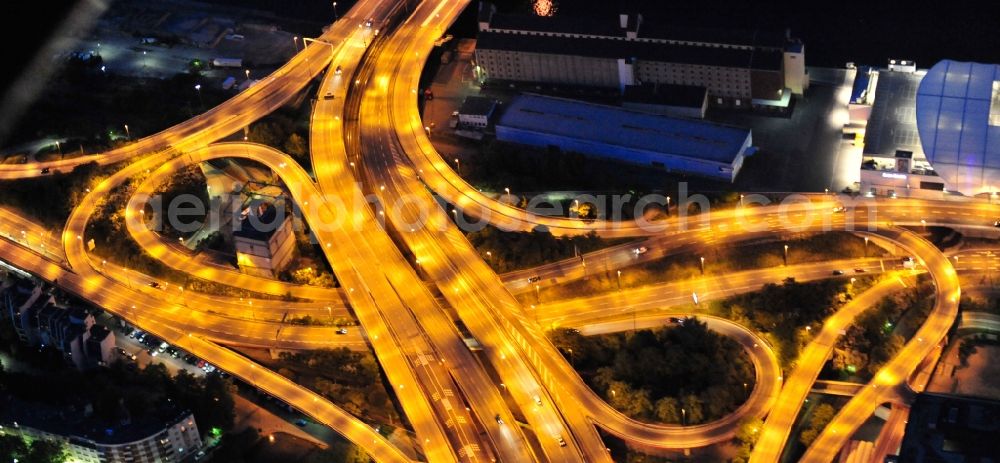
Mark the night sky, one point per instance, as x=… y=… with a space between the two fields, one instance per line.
x=835 y=32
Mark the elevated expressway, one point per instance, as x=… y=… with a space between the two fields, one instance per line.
x=260 y=99
x=461 y=276
x=383 y=164
x=163 y=318
x=408 y=303
x=489 y=318
x=465 y=280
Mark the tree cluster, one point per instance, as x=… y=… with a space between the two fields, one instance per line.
x=511 y=251
x=185 y=183
x=279 y=131
x=349 y=378
x=685 y=373
x=50 y=198
x=821 y=416
x=91 y=107
x=499 y=165
x=14 y=448
x=879 y=333
x=781 y=310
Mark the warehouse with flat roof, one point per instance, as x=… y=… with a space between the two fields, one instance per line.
x=673 y=144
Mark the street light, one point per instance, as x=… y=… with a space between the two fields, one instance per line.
x=128 y=135
x=334 y=10
x=247 y=72
x=785 y=255
x=296 y=40
x=200 y=101
x=702 y=259
x=619 y=280
x=866 y=246
x=458 y=166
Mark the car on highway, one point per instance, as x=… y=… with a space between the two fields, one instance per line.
x=561 y=441
x=859 y=270
x=338 y=71
x=328 y=96
x=342 y=331
x=838 y=272
x=538 y=400
x=996 y=223
x=46 y=170
x=839 y=209
x=533 y=279
x=640 y=250
x=301 y=422
x=154 y=285
x=499 y=420
x=677 y=320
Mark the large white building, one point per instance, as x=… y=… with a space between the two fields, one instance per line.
x=958 y=118
x=175 y=441
x=931 y=132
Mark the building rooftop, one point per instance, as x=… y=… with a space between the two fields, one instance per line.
x=746 y=38
x=21 y=292
x=688 y=96
x=71 y=420
x=607 y=27
x=478 y=106
x=623 y=49
x=258 y=221
x=892 y=125
x=946 y=429
x=621 y=127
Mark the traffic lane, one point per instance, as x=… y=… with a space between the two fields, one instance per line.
x=575 y=311
x=898 y=369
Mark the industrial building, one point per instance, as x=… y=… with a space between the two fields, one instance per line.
x=737 y=69
x=929 y=133
x=264 y=241
x=673 y=144
x=476 y=112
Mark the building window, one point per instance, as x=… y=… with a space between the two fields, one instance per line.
x=995 y=104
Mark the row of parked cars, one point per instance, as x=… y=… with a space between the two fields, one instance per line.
x=156 y=346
